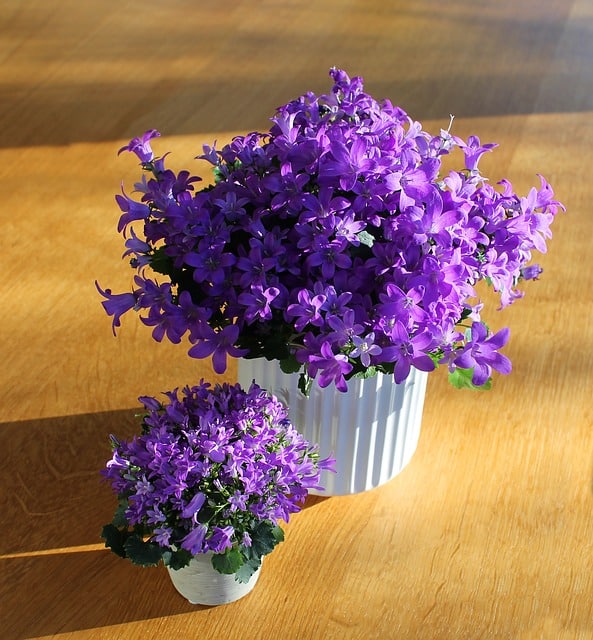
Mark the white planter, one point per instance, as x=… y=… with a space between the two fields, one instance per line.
x=200 y=583
x=372 y=430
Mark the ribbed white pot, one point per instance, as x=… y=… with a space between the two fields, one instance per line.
x=200 y=583
x=372 y=430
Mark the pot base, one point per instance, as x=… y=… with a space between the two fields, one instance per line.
x=200 y=583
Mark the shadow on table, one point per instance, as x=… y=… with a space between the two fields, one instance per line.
x=55 y=577
x=41 y=595
x=181 y=85
x=51 y=489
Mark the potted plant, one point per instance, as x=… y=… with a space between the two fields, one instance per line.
x=336 y=245
x=205 y=484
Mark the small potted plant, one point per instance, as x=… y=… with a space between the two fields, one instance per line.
x=205 y=484
x=336 y=246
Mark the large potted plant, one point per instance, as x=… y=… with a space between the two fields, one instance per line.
x=336 y=246
x=205 y=484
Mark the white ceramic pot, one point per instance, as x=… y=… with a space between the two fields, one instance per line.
x=200 y=583
x=372 y=429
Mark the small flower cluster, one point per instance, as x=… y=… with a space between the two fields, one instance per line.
x=214 y=470
x=333 y=244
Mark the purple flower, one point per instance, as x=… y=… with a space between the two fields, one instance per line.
x=194 y=540
x=408 y=351
x=481 y=353
x=340 y=221
x=210 y=264
x=221 y=539
x=257 y=264
x=473 y=151
x=193 y=317
x=415 y=182
x=246 y=540
x=116 y=304
x=319 y=206
x=167 y=323
x=346 y=163
x=307 y=310
x=257 y=302
x=218 y=344
x=132 y=211
x=329 y=367
x=193 y=506
x=238 y=502
x=531 y=272
x=210 y=154
x=365 y=348
x=399 y=306
x=344 y=327
x=141 y=146
x=231 y=206
x=335 y=304
x=151 y=294
x=329 y=256
x=162 y=536
x=211 y=467
x=137 y=248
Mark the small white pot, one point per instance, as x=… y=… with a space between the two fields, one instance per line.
x=200 y=583
x=372 y=429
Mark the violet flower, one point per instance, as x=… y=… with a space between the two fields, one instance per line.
x=344 y=198
x=481 y=353
x=214 y=469
x=141 y=146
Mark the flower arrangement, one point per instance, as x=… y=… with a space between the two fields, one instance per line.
x=213 y=470
x=332 y=243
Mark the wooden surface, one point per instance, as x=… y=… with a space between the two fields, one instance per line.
x=488 y=533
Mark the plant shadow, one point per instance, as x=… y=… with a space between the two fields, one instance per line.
x=314 y=500
x=52 y=491
x=55 y=503
x=45 y=594
x=55 y=577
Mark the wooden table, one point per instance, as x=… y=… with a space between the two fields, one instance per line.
x=488 y=533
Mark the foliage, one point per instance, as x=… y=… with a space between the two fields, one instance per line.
x=213 y=470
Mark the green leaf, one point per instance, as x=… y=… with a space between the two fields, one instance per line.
x=305 y=384
x=436 y=357
x=486 y=386
x=369 y=372
x=228 y=562
x=245 y=572
x=278 y=534
x=365 y=238
x=115 y=539
x=176 y=559
x=145 y=554
x=265 y=536
x=290 y=365
x=274 y=346
x=462 y=379
x=161 y=262
x=119 y=518
x=466 y=313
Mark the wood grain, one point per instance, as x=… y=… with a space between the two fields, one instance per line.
x=488 y=532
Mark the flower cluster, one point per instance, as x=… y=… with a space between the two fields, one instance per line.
x=335 y=243
x=214 y=470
